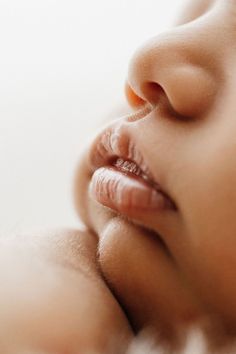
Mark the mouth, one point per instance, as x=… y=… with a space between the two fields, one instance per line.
x=121 y=179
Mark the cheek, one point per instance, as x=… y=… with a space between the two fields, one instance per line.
x=209 y=213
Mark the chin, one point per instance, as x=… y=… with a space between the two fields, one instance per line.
x=141 y=274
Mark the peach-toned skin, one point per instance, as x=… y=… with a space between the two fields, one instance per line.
x=187 y=78
x=169 y=268
x=53 y=299
x=134 y=100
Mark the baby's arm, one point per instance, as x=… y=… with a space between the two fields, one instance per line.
x=52 y=298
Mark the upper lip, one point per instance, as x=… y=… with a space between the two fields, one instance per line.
x=115 y=142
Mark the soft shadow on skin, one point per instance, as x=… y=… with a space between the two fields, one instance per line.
x=191 y=160
x=53 y=299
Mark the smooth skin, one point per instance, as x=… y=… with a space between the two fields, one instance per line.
x=188 y=76
x=76 y=291
x=53 y=299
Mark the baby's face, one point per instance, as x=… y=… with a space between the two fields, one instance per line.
x=167 y=221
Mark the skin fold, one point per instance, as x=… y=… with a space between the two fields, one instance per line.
x=133 y=270
x=187 y=76
x=53 y=299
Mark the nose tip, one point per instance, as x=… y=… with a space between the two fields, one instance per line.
x=177 y=66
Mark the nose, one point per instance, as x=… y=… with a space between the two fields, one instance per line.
x=182 y=65
x=134 y=100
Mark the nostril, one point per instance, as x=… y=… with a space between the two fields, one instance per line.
x=133 y=99
x=152 y=91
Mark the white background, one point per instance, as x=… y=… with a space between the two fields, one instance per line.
x=62 y=68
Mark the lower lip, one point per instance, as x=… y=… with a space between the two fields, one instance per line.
x=126 y=193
